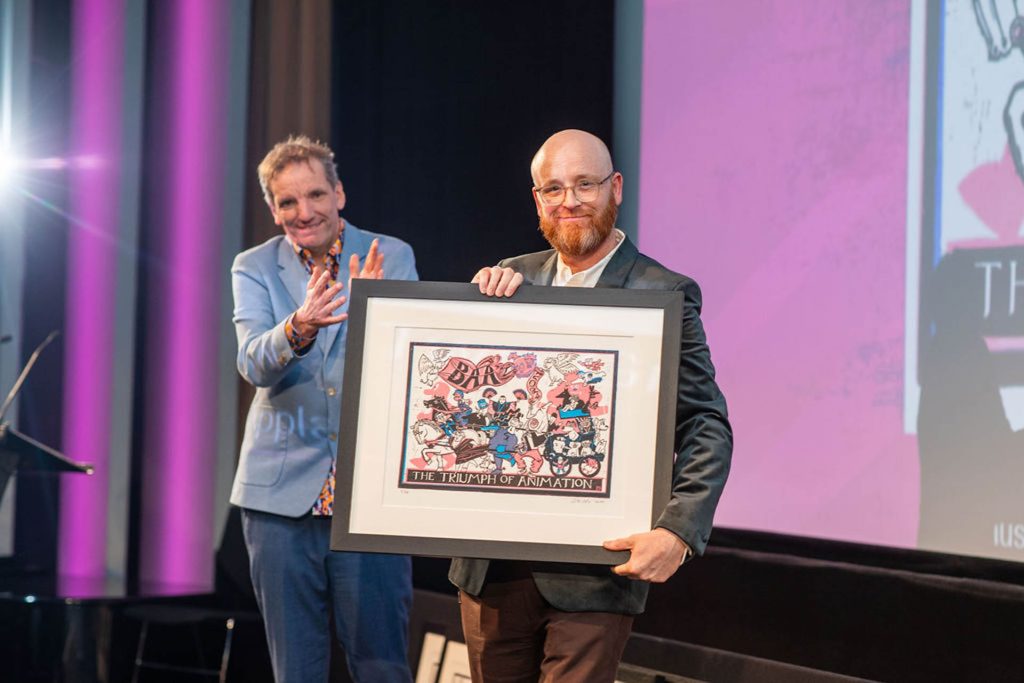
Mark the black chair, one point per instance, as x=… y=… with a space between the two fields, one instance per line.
x=166 y=626
x=197 y=620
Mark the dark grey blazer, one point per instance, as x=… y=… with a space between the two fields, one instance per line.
x=703 y=446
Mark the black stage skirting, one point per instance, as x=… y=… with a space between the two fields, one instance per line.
x=854 y=610
x=757 y=607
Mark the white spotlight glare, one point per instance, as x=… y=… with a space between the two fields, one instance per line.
x=8 y=163
x=50 y=164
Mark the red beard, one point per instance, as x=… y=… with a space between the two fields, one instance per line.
x=579 y=240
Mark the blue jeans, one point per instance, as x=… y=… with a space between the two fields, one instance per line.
x=298 y=581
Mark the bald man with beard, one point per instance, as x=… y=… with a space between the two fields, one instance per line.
x=530 y=621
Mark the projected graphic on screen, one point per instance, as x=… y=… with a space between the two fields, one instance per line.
x=971 y=327
x=850 y=196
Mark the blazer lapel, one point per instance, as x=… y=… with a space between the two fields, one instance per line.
x=546 y=274
x=618 y=268
x=292 y=273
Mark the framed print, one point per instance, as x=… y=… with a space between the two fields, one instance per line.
x=532 y=427
x=455 y=664
x=431 y=655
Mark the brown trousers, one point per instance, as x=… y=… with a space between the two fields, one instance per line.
x=515 y=636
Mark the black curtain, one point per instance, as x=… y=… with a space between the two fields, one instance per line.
x=438 y=108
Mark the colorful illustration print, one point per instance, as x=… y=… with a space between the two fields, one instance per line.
x=509 y=419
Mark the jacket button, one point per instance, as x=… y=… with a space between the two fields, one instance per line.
x=333 y=436
x=283 y=358
x=331 y=391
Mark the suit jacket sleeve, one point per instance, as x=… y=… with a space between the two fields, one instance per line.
x=264 y=354
x=703 y=441
x=403 y=260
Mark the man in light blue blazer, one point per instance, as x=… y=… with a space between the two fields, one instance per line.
x=290 y=314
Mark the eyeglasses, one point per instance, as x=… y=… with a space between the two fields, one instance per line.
x=584 y=191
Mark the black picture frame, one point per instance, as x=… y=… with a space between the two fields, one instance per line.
x=378 y=310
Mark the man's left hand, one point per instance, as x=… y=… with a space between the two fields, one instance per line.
x=373 y=266
x=653 y=555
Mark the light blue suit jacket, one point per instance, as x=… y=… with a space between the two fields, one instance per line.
x=291 y=434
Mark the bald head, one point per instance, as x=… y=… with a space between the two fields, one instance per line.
x=573 y=152
x=577 y=194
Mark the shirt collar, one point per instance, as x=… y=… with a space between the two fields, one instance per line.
x=306 y=256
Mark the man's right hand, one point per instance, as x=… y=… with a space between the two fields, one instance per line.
x=318 y=308
x=498 y=281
